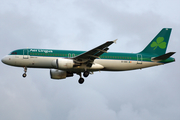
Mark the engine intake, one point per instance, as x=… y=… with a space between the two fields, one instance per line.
x=59 y=74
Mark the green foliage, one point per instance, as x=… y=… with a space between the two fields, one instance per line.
x=159 y=43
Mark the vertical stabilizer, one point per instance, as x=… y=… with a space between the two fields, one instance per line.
x=159 y=44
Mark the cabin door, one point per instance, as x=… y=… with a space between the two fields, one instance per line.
x=139 y=59
x=25 y=54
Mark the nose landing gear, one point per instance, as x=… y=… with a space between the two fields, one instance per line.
x=24 y=74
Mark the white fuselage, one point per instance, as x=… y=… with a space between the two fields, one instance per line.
x=46 y=62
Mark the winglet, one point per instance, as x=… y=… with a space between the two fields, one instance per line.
x=115 y=40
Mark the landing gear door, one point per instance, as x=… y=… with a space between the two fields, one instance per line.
x=139 y=59
x=25 y=54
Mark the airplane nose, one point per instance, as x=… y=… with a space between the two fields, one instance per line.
x=4 y=59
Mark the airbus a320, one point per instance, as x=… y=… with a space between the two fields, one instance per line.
x=66 y=63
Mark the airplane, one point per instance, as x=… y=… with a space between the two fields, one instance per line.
x=66 y=63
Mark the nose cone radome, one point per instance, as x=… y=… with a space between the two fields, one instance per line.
x=4 y=59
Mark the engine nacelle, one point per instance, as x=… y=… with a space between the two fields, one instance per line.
x=62 y=63
x=59 y=74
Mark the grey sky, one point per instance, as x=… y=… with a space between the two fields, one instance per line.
x=151 y=93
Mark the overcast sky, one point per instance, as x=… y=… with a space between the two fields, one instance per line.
x=147 y=94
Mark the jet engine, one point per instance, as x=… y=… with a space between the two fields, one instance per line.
x=62 y=63
x=59 y=74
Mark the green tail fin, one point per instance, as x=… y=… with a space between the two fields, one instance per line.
x=159 y=44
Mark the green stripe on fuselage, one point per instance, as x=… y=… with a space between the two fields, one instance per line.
x=72 y=53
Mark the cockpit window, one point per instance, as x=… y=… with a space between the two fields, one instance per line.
x=13 y=53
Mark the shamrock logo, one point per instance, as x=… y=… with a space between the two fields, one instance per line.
x=159 y=43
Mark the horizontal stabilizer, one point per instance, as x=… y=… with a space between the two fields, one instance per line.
x=163 y=57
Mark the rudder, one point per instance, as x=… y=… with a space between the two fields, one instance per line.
x=159 y=44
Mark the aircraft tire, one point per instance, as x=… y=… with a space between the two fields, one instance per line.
x=81 y=80
x=86 y=74
x=24 y=75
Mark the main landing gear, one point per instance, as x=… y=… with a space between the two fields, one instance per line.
x=81 y=80
x=24 y=74
x=85 y=74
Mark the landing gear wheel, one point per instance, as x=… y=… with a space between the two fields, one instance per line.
x=81 y=80
x=24 y=75
x=25 y=70
x=86 y=74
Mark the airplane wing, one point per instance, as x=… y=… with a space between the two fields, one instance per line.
x=89 y=56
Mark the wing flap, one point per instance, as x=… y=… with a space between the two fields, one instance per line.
x=90 y=55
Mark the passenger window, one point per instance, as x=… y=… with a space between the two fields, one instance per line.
x=69 y=55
